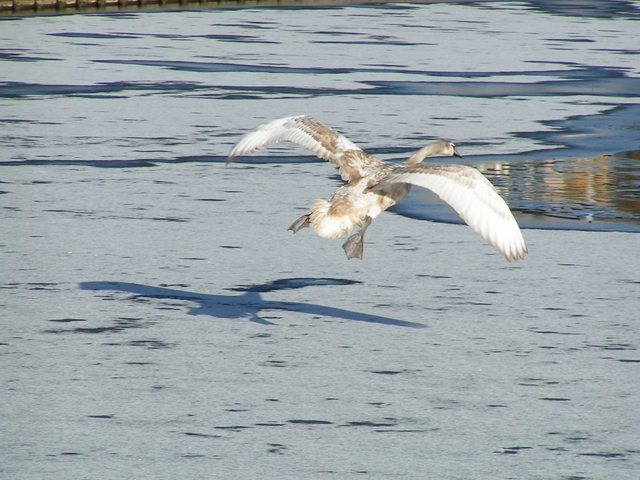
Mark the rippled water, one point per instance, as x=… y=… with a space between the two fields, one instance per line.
x=158 y=321
x=542 y=98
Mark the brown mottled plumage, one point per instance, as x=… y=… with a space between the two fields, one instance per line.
x=372 y=186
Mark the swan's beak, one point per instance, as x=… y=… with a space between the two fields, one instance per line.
x=455 y=153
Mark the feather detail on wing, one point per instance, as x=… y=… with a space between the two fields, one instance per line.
x=472 y=196
x=314 y=135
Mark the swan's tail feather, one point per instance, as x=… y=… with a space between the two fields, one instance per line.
x=328 y=224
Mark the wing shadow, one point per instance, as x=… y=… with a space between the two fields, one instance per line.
x=249 y=304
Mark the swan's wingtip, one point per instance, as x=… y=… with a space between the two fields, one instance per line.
x=516 y=255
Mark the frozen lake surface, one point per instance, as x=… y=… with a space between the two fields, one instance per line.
x=158 y=321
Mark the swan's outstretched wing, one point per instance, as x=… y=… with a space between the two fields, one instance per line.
x=314 y=135
x=473 y=197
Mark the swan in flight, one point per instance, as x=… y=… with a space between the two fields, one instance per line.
x=372 y=186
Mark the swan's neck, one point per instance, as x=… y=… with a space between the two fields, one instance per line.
x=424 y=152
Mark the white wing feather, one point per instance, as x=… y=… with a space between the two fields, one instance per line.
x=473 y=197
x=304 y=130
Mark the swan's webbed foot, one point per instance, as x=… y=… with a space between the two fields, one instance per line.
x=354 y=245
x=302 y=222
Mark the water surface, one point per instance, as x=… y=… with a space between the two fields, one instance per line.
x=543 y=99
x=157 y=320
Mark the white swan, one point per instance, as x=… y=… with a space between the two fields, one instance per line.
x=372 y=186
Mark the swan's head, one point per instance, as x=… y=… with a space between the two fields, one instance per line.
x=441 y=147
x=449 y=148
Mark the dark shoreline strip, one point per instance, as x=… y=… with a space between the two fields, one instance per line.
x=47 y=7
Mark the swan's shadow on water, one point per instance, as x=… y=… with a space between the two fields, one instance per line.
x=250 y=304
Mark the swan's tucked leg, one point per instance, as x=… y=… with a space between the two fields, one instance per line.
x=354 y=246
x=302 y=222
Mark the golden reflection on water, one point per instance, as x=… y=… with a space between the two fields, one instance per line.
x=604 y=187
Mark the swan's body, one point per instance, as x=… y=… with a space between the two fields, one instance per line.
x=372 y=186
